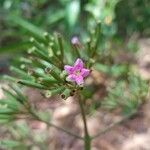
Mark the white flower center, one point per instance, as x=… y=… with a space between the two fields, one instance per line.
x=77 y=73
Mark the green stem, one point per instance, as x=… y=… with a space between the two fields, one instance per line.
x=77 y=51
x=87 y=138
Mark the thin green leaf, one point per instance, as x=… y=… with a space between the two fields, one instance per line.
x=21 y=73
x=15 y=47
x=34 y=30
x=31 y=84
x=9 y=144
x=72 y=12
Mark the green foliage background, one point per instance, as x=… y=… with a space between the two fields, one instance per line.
x=22 y=19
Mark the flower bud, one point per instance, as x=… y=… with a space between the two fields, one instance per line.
x=75 y=41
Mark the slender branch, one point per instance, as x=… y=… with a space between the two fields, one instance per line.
x=61 y=48
x=77 y=51
x=53 y=125
x=113 y=125
x=87 y=138
x=97 y=30
x=83 y=116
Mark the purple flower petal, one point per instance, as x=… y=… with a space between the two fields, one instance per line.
x=69 y=69
x=78 y=64
x=71 y=77
x=79 y=80
x=85 y=72
x=76 y=73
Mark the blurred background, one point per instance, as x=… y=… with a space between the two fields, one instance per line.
x=124 y=21
x=125 y=27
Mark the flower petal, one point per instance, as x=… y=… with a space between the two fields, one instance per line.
x=78 y=64
x=85 y=72
x=69 y=69
x=71 y=77
x=79 y=80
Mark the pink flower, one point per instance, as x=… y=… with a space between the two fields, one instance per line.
x=76 y=73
